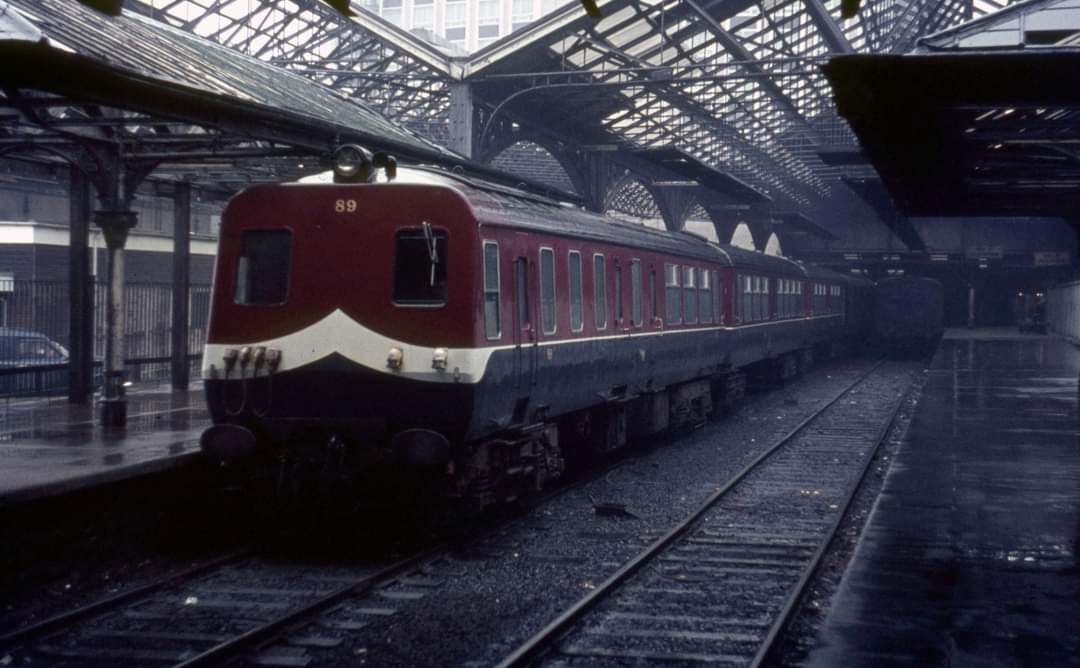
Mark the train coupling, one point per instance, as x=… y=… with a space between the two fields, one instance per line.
x=227 y=443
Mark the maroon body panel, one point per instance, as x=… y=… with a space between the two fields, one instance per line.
x=342 y=259
x=346 y=260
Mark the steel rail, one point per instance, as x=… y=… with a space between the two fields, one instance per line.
x=795 y=597
x=233 y=647
x=32 y=631
x=239 y=644
x=540 y=641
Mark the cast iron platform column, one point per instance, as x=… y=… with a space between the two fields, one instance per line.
x=114 y=226
x=181 y=282
x=81 y=304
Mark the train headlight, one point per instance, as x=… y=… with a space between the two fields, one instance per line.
x=439 y=358
x=352 y=164
x=395 y=358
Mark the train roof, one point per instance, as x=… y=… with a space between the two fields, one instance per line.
x=499 y=205
x=509 y=210
x=743 y=258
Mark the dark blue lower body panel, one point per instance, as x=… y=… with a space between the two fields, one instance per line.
x=533 y=382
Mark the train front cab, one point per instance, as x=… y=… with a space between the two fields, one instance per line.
x=343 y=312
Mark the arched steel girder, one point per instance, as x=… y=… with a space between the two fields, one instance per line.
x=569 y=160
x=634 y=194
x=748 y=160
x=599 y=175
x=630 y=195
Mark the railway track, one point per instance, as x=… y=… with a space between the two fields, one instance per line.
x=720 y=586
x=206 y=615
x=242 y=604
x=286 y=614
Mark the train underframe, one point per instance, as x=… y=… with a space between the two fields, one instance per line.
x=328 y=461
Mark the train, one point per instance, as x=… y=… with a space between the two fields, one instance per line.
x=388 y=319
x=910 y=317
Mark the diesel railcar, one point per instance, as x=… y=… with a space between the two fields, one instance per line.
x=484 y=332
x=910 y=315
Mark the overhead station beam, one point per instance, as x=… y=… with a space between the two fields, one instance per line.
x=826 y=24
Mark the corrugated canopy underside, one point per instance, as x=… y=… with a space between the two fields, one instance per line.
x=38 y=36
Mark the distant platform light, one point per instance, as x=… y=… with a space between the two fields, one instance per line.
x=939 y=257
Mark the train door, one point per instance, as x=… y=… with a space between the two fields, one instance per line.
x=525 y=339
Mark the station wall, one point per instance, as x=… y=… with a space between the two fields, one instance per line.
x=1063 y=310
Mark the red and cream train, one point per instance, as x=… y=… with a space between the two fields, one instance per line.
x=485 y=332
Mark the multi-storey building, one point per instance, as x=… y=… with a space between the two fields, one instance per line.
x=467 y=24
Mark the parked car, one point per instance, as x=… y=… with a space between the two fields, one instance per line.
x=31 y=363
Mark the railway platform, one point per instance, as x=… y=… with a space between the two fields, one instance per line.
x=49 y=447
x=970 y=554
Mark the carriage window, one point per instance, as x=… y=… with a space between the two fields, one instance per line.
x=420 y=259
x=717 y=313
x=547 y=289
x=599 y=291
x=744 y=299
x=766 y=307
x=705 y=294
x=262 y=270
x=521 y=289
x=762 y=299
x=618 y=295
x=652 y=295
x=690 y=295
x=635 y=292
x=755 y=298
x=672 y=294
x=576 y=321
x=492 y=322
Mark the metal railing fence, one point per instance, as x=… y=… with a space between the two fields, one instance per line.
x=34 y=316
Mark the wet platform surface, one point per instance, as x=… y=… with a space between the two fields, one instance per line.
x=970 y=555
x=48 y=446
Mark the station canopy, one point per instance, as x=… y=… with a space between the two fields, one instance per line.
x=735 y=86
x=980 y=119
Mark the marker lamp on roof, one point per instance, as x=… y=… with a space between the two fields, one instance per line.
x=352 y=164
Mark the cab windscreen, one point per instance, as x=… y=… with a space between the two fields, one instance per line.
x=420 y=267
x=262 y=270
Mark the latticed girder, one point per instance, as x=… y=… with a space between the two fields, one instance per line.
x=735 y=84
x=740 y=82
x=385 y=69
x=713 y=107
x=630 y=200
